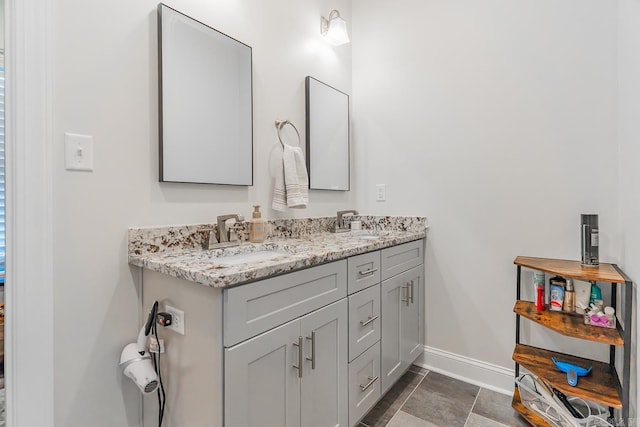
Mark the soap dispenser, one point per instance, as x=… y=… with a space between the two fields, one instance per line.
x=256 y=226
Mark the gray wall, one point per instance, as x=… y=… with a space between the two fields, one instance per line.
x=498 y=121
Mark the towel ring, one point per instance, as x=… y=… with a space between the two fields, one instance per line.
x=280 y=124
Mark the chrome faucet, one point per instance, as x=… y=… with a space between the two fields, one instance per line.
x=340 y=226
x=223 y=233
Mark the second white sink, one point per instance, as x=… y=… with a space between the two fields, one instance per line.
x=242 y=258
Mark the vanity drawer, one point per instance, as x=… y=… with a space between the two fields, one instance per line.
x=257 y=307
x=364 y=372
x=401 y=258
x=363 y=271
x=364 y=320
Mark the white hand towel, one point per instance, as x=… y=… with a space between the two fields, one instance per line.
x=295 y=177
x=291 y=183
x=279 y=192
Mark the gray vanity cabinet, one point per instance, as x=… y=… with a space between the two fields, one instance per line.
x=315 y=347
x=279 y=377
x=402 y=324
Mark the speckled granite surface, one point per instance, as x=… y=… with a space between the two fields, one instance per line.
x=176 y=251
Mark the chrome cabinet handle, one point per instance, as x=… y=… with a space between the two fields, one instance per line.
x=369 y=320
x=312 y=359
x=299 y=365
x=405 y=293
x=369 y=384
x=411 y=295
x=367 y=272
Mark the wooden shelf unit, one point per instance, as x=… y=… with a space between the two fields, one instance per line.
x=573 y=269
x=599 y=386
x=602 y=384
x=568 y=325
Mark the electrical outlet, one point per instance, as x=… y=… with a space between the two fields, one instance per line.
x=177 y=319
x=156 y=346
x=381 y=193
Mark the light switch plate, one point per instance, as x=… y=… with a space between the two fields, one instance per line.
x=78 y=152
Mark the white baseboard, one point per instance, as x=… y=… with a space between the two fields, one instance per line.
x=483 y=374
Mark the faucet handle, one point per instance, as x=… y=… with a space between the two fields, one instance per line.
x=340 y=220
x=224 y=233
x=209 y=238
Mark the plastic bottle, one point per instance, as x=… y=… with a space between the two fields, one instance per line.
x=256 y=226
x=557 y=287
x=596 y=293
x=538 y=285
x=610 y=312
x=569 y=297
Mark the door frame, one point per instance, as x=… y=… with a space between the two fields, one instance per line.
x=29 y=329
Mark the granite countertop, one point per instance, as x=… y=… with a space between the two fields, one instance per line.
x=176 y=251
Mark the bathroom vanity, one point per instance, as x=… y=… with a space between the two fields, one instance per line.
x=305 y=330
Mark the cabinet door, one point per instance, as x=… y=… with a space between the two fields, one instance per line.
x=393 y=298
x=262 y=388
x=412 y=324
x=402 y=333
x=324 y=397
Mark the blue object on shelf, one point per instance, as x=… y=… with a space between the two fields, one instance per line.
x=572 y=371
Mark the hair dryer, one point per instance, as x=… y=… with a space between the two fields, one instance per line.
x=136 y=361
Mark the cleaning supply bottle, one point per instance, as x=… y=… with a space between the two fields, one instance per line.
x=256 y=226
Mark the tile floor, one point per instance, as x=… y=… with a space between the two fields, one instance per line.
x=428 y=399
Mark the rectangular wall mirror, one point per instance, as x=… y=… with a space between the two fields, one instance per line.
x=327 y=136
x=206 y=117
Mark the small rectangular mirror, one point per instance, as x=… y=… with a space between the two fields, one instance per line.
x=206 y=117
x=327 y=136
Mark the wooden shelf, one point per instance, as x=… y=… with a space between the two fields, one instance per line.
x=598 y=386
x=567 y=324
x=573 y=269
x=532 y=418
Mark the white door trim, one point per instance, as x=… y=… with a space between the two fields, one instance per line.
x=29 y=289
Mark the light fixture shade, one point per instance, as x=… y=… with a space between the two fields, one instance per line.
x=335 y=29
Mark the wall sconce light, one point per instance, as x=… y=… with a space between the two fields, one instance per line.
x=334 y=29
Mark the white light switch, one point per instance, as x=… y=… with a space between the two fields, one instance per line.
x=78 y=152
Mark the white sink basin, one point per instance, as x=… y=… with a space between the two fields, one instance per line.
x=243 y=258
x=361 y=235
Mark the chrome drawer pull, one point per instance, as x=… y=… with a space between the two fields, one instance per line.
x=405 y=293
x=411 y=297
x=367 y=272
x=369 y=384
x=299 y=365
x=312 y=359
x=369 y=320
